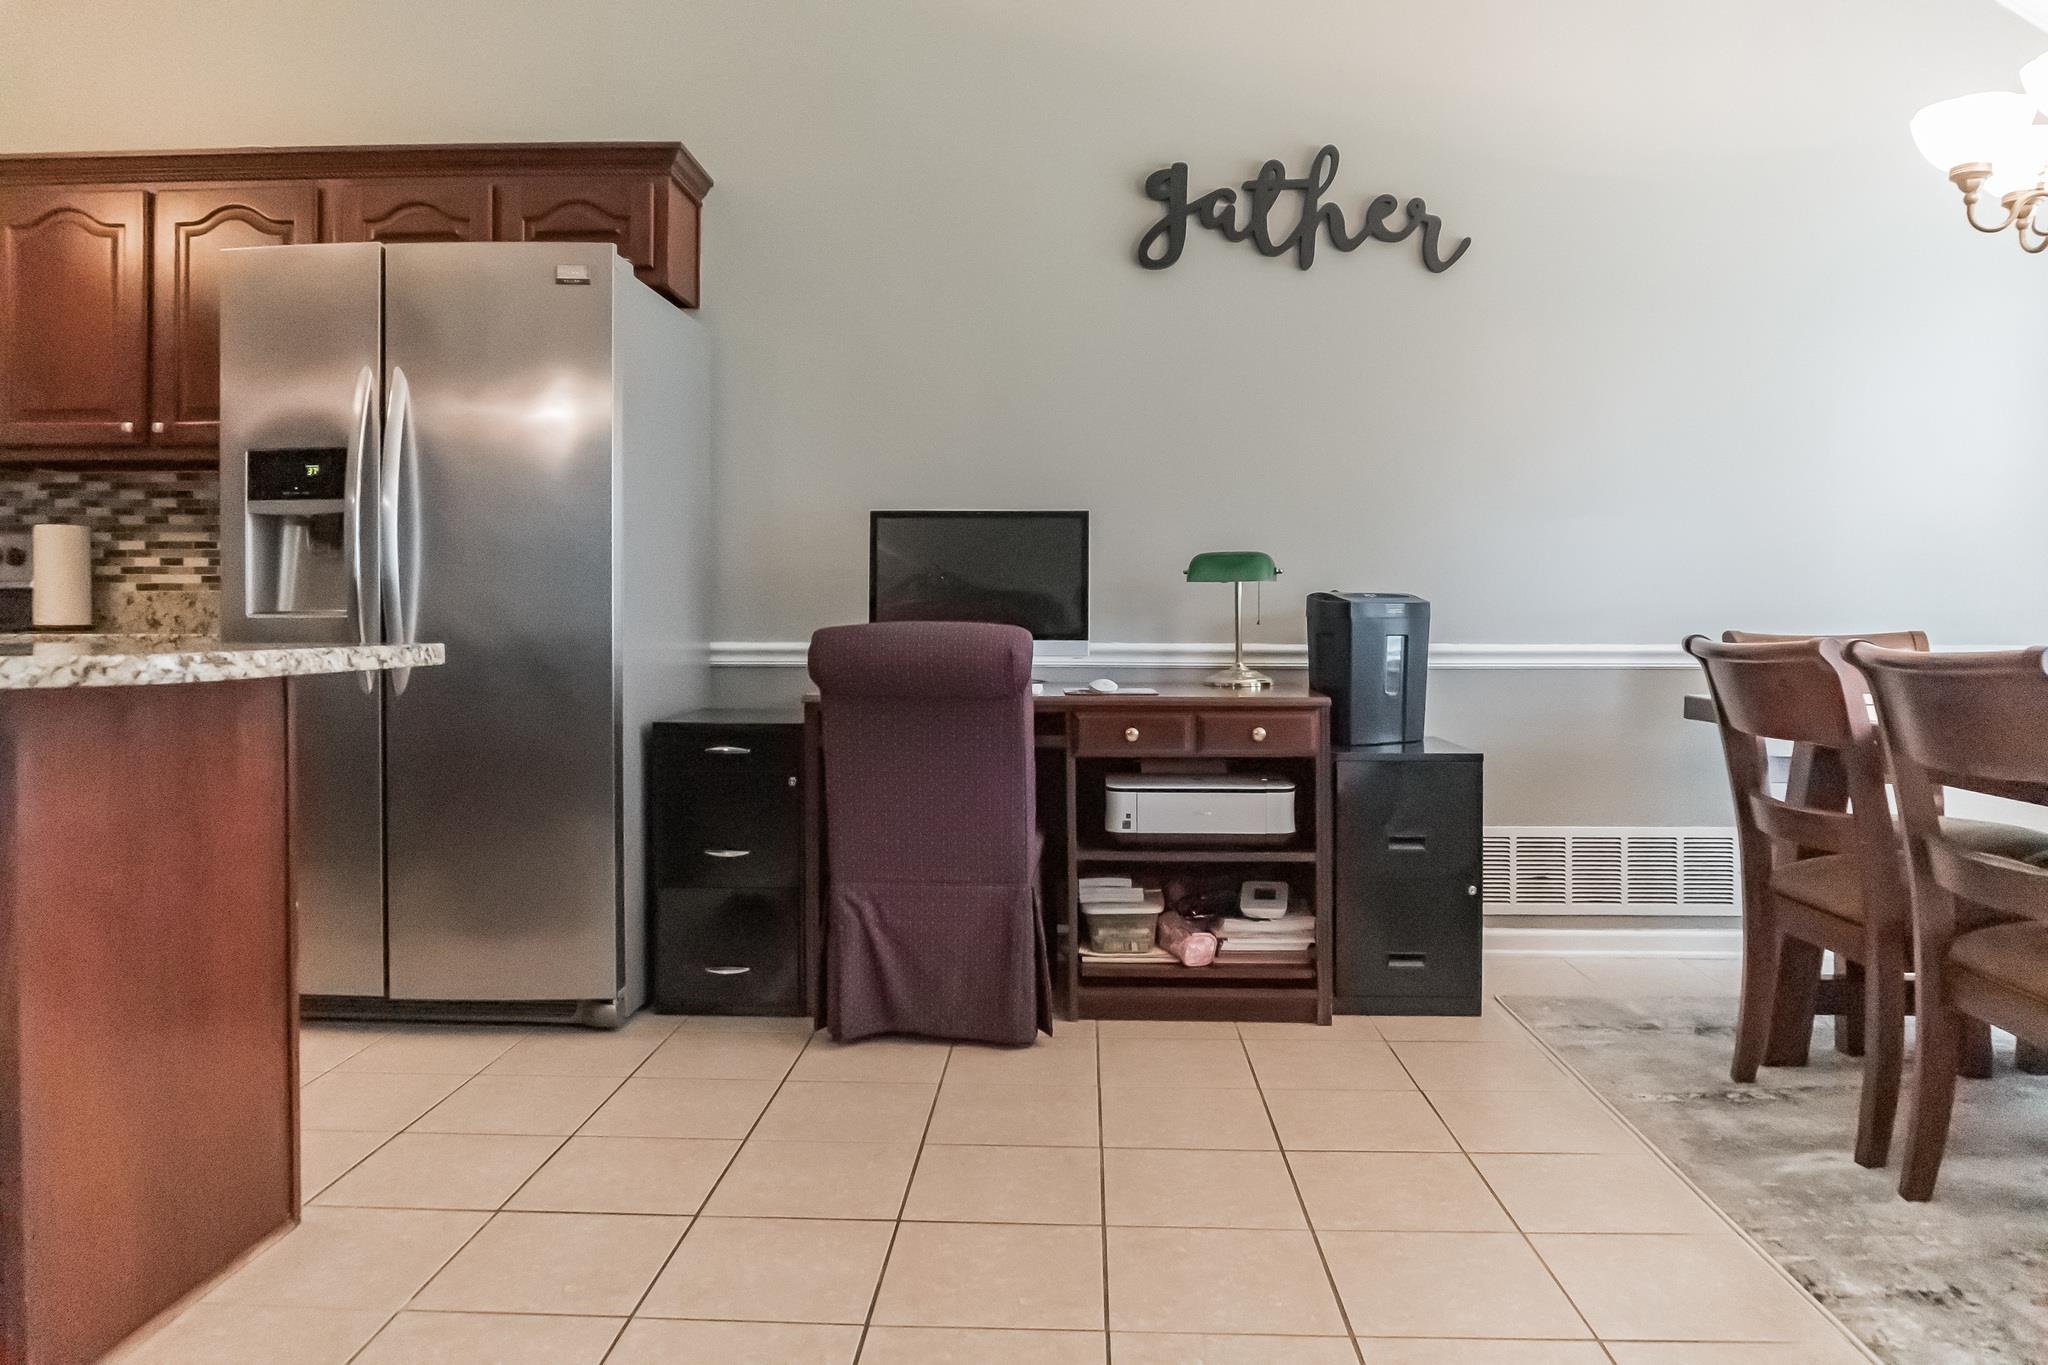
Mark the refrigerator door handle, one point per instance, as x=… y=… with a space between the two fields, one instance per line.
x=400 y=613
x=362 y=439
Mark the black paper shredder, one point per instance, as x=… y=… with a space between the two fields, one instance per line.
x=1369 y=653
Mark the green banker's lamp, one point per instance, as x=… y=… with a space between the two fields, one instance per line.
x=1236 y=567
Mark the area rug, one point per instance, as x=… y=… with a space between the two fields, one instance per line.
x=1961 y=1279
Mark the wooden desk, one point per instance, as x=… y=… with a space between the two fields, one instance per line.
x=1082 y=739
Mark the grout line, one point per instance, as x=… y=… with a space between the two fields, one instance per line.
x=1314 y=1235
x=1102 y=1197
x=896 y=1227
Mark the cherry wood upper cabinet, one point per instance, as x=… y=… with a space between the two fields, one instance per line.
x=73 y=304
x=581 y=209
x=190 y=229
x=451 y=209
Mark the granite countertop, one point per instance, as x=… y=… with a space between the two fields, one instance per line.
x=33 y=661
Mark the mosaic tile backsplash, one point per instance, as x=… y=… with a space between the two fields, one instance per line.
x=155 y=538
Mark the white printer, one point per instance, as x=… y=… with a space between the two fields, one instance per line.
x=1176 y=806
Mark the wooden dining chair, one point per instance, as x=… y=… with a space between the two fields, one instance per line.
x=1814 y=876
x=1979 y=912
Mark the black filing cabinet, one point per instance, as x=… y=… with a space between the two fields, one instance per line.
x=724 y=865
x=1409 y=909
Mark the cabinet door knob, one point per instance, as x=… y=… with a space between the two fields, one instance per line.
x=157 y=427
x=1258 y=734
x=727 y=852
x=127 y=428
x=1131 y=735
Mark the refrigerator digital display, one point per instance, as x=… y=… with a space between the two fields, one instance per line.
x=298 y=474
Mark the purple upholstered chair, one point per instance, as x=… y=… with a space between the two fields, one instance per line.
x=932 y=921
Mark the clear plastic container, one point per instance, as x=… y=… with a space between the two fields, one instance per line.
x=1121 y=928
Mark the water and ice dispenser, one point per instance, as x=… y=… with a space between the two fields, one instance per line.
x=298 y=532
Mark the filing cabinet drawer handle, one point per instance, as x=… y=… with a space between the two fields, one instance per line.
x=1408 y=843
x=1131 y=735
x=1258 y=734
x=728 y=852
x=727 y=749
x=728 y=971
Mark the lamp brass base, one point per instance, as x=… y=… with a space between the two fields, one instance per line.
x=1238 y=678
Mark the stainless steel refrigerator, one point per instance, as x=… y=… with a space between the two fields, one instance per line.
x=502 y=447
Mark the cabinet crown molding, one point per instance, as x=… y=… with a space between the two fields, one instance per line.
x=671 y=159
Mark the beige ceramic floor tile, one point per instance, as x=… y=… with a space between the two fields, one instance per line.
x=1326 y=1066
x=627 y=1175
x=1717 y=975
x=540 y=1105
x=1531 y=1121
x=1357 y=1121
x=1817 y=1352
x=1202 y=1063
x=772 y=1270
x=1679 y=1288
x=781 y=1026
x=351 y=1258
x=232 y=1334
x=576 y=1263
x=1532 y=975
x=993 y=1275
x=1447 y=1284
x=372 y=1103
x=1440 y=1352
x=434 y=1049
x=1055 y=1061
x=1481 y=1066
x=977 y=1345
x=1176 y=1189
x=1181 y=1348
x=815 y=1180
x=1166 y=1028
x=989 y=1184
x=654 y=1341
x=325 y=1153
x=579 y=1052
x=1493 y=1025
x=1016 y=1115
x=872 y=1059
x=1625 y=1193
x=1182 y=1117
x=322 y=1047
x=1249 y=1282
x=847 y=1111
x=663 y=1107
x=724 y=1054
x=1342 y=1028
x=1396 y=1192
x=442 y=1171
x=499 y=1338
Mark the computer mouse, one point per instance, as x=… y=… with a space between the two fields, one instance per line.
x=1103 y=685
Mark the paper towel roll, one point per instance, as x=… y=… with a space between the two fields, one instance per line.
x=60 y=562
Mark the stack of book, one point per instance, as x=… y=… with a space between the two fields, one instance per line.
x=1289 y=939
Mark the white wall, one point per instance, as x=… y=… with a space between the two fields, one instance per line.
x=1722 y=351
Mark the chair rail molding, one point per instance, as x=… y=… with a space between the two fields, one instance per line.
x=1191 y=654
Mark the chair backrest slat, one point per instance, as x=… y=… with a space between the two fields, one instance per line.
x=1974 y=721
x=1803 y=826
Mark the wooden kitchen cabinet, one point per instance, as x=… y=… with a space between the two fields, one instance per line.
x=451 y=209
x=109 y=302
x=73 y=316
x=188 y=231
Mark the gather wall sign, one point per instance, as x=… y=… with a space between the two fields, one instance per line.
x=1218 y=211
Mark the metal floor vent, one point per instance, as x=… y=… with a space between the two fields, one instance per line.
x=1611 y=870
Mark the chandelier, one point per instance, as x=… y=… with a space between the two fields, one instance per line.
x=1992 y=149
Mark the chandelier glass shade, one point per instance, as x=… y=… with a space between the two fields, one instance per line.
x=1993 y=147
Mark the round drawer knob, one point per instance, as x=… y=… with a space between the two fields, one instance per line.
x=1131 y=735
x=1258 y=734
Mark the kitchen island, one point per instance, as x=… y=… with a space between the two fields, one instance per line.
x=148 y=1006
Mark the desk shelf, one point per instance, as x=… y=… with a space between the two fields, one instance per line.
x=1242 y=854
x=1215 y=974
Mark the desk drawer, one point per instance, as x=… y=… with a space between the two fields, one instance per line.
x=728 y=952
x=1247 y=733
x=1098 y=733
x=740 y=834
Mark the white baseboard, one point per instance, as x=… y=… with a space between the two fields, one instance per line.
x=1532 y=942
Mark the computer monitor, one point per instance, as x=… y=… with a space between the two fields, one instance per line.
x=1026 y=569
